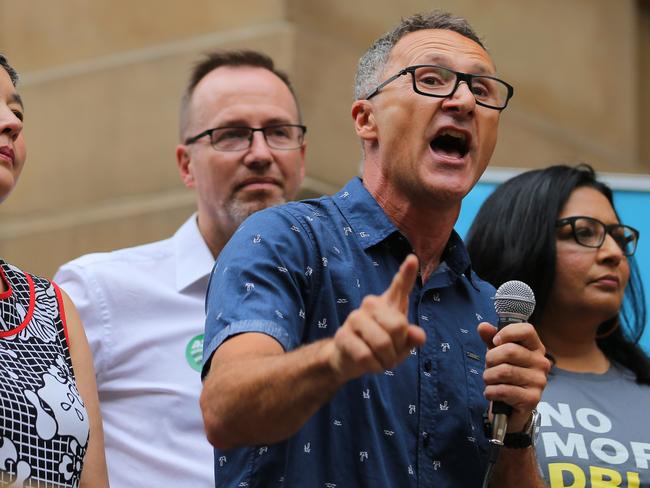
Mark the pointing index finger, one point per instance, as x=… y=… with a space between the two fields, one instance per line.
x=397 y=293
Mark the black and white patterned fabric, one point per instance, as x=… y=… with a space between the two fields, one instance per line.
x=44 y=425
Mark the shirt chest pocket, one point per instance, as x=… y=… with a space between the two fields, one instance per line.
x=473 y=359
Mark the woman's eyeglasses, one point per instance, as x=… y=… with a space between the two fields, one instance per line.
x=590 y=232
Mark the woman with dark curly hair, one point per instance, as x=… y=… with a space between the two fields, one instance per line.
x=557 y=230
x=50 y=426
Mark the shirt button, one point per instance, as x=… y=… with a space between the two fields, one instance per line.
x=427 y=366
x=425 y=439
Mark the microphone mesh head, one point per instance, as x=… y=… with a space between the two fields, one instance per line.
x=514 y=299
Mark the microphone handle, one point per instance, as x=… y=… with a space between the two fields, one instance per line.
x=500 y=407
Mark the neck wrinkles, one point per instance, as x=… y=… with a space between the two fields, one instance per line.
x=427 y=224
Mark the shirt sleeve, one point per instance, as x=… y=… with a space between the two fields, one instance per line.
x=262 y=282
x=85 y=293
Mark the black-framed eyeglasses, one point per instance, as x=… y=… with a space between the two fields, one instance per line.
x=279 y=136
x=437 y=81
x=590 y=232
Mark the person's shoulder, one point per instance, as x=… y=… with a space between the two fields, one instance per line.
x=122 y=267
x=291 y=229
x=481 y=284
x=152 y=251
x=297 y=215
x=22 y=274
x=298 y=209
x=623 y=373
x=119 y=279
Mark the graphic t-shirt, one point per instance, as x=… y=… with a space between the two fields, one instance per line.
x=595 y=430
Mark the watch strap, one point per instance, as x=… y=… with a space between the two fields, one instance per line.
x=525 y=438
x=518 y=440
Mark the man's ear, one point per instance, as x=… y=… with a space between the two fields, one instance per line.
x=364 y=120
x=303 y=149
x=185 y=167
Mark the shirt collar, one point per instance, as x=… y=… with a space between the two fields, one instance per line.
x=193 y=258
x=370 y=225
x=367 y=219
x=457 y=257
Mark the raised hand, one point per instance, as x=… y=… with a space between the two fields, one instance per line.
x=377 y=336
x=515 y=369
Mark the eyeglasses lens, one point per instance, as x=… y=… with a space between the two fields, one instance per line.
x=239 y=138
x=441 y=82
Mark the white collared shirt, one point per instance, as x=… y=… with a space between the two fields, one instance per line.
x=143 y=313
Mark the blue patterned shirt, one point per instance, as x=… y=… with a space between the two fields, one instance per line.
x=295 y=272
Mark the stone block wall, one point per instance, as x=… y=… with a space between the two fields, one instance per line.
x=102 y=81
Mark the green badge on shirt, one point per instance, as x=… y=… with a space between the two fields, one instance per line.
x=194 y=352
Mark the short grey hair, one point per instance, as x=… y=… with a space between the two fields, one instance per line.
x=10 y=71
x=372 y=63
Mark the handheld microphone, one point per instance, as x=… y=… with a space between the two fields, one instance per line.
x=514 y=302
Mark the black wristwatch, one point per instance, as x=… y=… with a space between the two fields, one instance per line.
x=525 y=438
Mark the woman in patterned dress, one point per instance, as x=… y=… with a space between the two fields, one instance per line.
x=50 y=424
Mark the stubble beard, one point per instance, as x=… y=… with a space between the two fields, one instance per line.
x=239 y=209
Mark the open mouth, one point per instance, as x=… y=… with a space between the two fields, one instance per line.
x=451 y=143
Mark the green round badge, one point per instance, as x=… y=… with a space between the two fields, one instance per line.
x=194 y=352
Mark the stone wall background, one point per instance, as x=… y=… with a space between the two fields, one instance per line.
x=102 y=81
